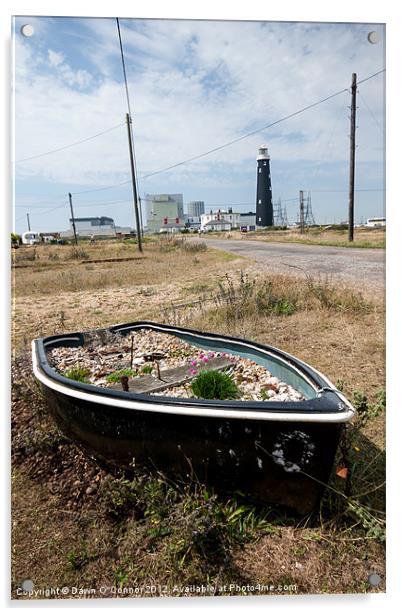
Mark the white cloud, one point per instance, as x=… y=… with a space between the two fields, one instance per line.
x=195 y=85
x=55 y=58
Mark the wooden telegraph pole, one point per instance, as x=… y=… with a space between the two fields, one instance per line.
x=352 y=158
x=72 y=217
x=134 y=184
x=29 y=224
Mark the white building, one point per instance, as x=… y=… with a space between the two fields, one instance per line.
x=220 y=220
x=94 y=226
x=225 y=220
x=375 y=222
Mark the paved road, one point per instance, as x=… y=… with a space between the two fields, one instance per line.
x=361 y=266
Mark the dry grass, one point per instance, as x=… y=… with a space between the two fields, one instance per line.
x=63 y=532
x=70 y=295
x=160 y=262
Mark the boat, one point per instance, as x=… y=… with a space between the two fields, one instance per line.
x=276 y=452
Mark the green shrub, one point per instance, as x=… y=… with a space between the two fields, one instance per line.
x=114 y=377
x=214 y=385
x=77 y=373
x=146 y=369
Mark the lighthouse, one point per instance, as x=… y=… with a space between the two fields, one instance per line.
x=264 y=216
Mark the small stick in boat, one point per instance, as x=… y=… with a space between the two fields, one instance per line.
x=124 y=382
x=158 y=370
x=132 y=352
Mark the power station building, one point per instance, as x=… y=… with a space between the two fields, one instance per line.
x=195 y=209
x=164 y=212
x=264 y=216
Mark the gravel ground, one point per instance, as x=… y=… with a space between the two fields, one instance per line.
x=101 y=359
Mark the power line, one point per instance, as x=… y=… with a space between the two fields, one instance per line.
x=133 y=163
x=371 y=76
x=58 y=207
x=205 y=153
x=35 y=205
x=124 y=66
x=370 y=111
x=70 y=145
x=258 y=130
x=83 y=192
x=254 y=132
x=236 y=140
x=336 y=190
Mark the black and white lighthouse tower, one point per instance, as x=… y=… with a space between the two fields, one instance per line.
x=264 y=213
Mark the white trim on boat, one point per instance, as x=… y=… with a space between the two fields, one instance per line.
x=160 y=407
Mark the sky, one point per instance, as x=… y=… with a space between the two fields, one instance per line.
x=194 y=86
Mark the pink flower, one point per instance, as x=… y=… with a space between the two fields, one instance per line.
x=192 y=371
x=210 y=355
x=205 y=359
x=193 y=363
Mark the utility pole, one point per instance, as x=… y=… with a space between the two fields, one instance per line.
x=141 y=221
x=72 y=218
x=135 y=196
x=301 y=211
x=29 y=224
x=352 y=158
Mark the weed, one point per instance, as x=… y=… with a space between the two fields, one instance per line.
x=77 y=559
x=146 y=369
x=366 y=410
x=373 y=525
x=193 y=247
x=249 y=297
x=53 y=256
x=77 y=373
x=114 y=377
x=332 y=297
x=214 y=385
x=243 y=521
x=76 y=253
x=119 y=498
x=340 y=384
x=26 y=255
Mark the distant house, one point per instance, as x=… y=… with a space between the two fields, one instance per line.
x=220 y=220
x=225 y=220
x=216 y=225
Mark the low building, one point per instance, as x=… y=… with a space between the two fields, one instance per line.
x=193 y=223
x=216 y=225
x=224 y=220
x=247 y=221
x=375 y=222
x=95 y=226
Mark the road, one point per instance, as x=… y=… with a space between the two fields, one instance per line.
x=360 y=266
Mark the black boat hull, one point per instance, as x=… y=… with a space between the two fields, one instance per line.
x=277 y=452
